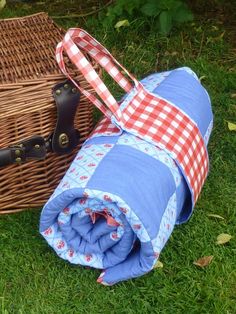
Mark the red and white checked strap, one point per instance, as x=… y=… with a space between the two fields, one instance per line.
x=105 y=127
x=146 y=115
x=76 y=40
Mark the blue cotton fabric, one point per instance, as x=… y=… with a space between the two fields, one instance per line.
x=119 y=201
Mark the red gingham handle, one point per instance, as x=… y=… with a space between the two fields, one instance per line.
x=91 y=97
x=76 y=40
x=104 y=58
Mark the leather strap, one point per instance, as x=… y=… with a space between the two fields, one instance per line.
x=63 y=139
x=33 y=148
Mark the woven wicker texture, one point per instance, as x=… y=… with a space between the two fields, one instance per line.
x=28 y=71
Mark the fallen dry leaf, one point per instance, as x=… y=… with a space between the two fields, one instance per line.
x=233 y=95
x=215 y=216
x=203 y=261
x=2 y=4
x=223 y=238
x=158 y=264
x=122 y=23
x=231 y=126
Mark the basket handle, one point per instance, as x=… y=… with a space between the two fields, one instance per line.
x=77 y=40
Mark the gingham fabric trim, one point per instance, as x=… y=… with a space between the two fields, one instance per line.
x=161 y=123
x=146 y=115
x=105 y=127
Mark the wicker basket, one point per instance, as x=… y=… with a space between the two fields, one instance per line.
x=28 y=72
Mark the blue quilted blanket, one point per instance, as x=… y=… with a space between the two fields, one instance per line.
x=120 y=199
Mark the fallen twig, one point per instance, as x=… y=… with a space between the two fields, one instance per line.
x=82 y=15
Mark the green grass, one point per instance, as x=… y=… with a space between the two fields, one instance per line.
x=34 y=280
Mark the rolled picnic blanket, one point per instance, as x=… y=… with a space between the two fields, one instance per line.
x=124 y=192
